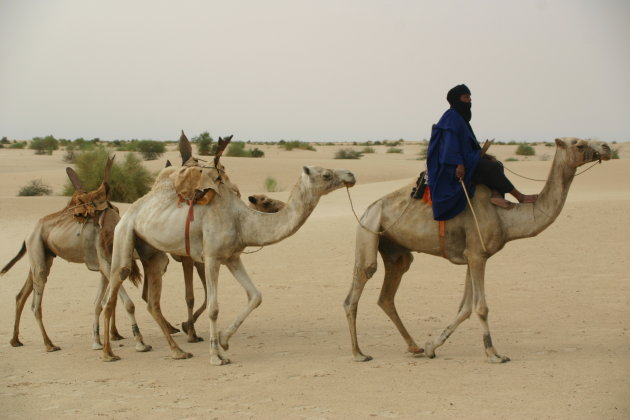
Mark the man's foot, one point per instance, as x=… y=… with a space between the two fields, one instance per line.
x=502 y=202
x=528 y=198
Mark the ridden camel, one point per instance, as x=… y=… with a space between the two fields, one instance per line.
x=82 y=232
x=221 y=229
x=417 y=231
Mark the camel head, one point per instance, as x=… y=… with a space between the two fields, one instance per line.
x=580 y=151
x=322 y=181
x=265 y=204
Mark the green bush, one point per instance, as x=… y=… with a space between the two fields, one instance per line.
x=128 y=146
x=5 y=140
x=525 y=150
x=129 y=179
x=204 y=144
x=151 y=149
x=271 y=185
x=44 y=145
x=18 y=145
x=296 y=144
x=35 y=187
x=615 y=153
x=511 y=159
x=394 y=150
x=348 y=154
x=368 y=150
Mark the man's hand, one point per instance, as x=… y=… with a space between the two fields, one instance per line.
x=460 y=171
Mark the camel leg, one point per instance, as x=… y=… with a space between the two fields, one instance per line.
x=98 y=308
x=465 y=309
x=120 y=270
x=40 y=274
x=351 y=305
x=188 y=326
x=20 y=300
x=212 y=278
x=481 y=308
x=254 y=299
x=396 y=264
x=154 y=268
x=131 y=310
x=202 y=277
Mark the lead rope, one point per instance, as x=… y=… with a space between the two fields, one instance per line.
x=370 y=230
x=543 y=180
x=461 y=181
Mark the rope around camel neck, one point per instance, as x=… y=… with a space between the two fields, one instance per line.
x=543 y=180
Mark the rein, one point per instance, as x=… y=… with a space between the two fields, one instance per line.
x=370 y=230
x=544 y=180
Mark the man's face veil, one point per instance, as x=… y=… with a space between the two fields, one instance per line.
x=454 y=99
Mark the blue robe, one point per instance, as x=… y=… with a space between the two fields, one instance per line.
x=452 y=143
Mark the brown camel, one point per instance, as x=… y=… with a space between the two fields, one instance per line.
x=221 y=230
x=82 y=232
x=417 y=231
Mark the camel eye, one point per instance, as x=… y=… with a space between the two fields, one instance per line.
x=580 y=146
x=327 y=176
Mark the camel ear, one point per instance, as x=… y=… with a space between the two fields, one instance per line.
x=185 y=149
x=108 y=169
x=74 y=178
x=306 y=170
x=252 y=199
x=561 y=144
x=168 y=163
x=222 y=144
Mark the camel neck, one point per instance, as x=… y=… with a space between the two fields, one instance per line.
x=267 y=228
x=529 y=220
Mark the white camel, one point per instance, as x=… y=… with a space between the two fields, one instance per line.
x=416 y=231
x=221 y=230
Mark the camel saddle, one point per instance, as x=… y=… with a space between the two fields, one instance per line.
x=85 y=205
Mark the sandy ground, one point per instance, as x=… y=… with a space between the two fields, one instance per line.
x=559 y=307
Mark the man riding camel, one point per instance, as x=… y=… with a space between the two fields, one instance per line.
x=454 y=154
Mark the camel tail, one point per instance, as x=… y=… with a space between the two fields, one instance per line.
x=135 y=277
x=15 y=259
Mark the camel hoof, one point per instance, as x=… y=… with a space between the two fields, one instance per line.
x=53 y=348
x=185 y=326
x=111 y=358
x=16 y=343
x=218 y=361
x=141 y=347
x=362 y=358
x=171 y=330
x=429 y=350
x=116 y=337
x=498 y=359
x=97 y=346
x=415 y=350
x=182 y=355
x=194 y=339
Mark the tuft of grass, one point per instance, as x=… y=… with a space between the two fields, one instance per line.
x=271 y=185
x=295 y=144
x=237 y=149
x=615 y=154
x=511 y=159
x=394 y=150
x=525 y=150
x=348 y=154
x=35 y=187
x=18 y=145
x=368 y=149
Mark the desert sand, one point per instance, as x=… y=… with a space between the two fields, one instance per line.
x=559 y=308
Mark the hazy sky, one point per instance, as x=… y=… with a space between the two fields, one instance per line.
x=313 y=70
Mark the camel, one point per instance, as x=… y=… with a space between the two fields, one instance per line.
x=265 y=204
x=221 y=230
x=417 y=231
x=258 y=202
x=82 y=232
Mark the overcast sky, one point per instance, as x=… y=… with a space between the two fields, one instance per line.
x=313 y=70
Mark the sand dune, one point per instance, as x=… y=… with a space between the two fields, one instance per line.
x=559 y=307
